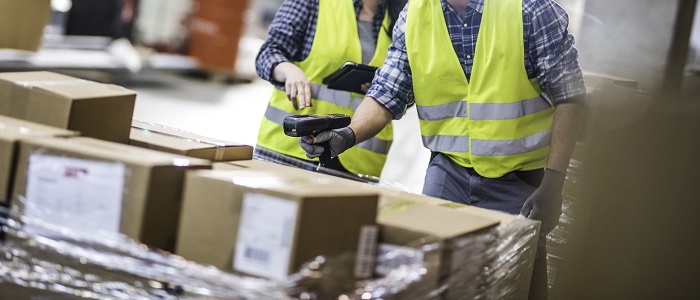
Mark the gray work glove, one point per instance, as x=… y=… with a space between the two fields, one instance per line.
x=339 y=140
x=544 y=204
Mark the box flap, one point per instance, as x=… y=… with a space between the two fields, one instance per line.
x=435 y=221
x=297 y=185
x=83 y=89
x=182 y=145
x=182 y=134
x=191 y=146
x=34 y=76
x=66 y=86
x=119 y=152
x=17 y=127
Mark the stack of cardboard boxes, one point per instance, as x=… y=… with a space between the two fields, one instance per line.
x=95 y=181
x=249 y=217
x=457 y=245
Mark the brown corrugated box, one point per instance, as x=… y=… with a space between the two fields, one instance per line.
x=22 y=23
x=152 y=184
x=220 y=208
x=102 y=111
x=422 y=222
x=173 y=140
x=409 y=223
x=11 y=131
x=517 y=279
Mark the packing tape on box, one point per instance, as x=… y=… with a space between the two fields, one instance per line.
x=32 y=84
x=220 y=145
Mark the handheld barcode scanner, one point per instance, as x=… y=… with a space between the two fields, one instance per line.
x=312 y=125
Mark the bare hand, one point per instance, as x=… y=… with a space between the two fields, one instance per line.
x=365 y=87
x=296 y=85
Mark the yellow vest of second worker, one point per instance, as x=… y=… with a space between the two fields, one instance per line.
x=497 y=122
x=336 y=41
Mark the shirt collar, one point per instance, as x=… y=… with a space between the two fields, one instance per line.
x=477 y=5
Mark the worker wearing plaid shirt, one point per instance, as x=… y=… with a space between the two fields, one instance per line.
x=309 y=40
x=499 y=95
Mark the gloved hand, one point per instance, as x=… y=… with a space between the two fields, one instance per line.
x=544 y=204
x=339 y=140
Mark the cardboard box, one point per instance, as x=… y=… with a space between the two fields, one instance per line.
x=515 y=253
x=117 y=187
x=172 y=140
x=268 y=224
x=449 y=244
x=11 y=131
x=22 y=23
x=420 y=220
x=97 y=110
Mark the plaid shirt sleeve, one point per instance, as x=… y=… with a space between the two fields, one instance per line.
x=285 y=41
x=392 y=86
x=553 y=53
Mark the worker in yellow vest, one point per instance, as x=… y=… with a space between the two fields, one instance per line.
x=309 y=40
x=499 y=112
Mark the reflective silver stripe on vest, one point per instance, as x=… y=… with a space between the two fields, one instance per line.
x=337 y=97
x=483 y=111
x=450 y=143
x=511 y=147
x=356 y=103
x=507 y=111
x=441 y=112
x=447 y=143
x=374 y=144
x=276 y=115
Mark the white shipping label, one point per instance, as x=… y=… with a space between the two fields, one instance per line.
x=75 y=193
x=366 y=251
x=265 y=236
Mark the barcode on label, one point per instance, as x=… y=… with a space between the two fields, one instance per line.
x=366 y=252
x=392 y=257
x=258 y=255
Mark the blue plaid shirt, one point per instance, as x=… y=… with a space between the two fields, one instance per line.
x=291 y=35
x=550 y=55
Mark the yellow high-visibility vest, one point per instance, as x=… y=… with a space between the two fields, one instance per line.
x=497 y=121
x=336 y=41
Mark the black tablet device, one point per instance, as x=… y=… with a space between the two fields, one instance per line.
x=350 y=77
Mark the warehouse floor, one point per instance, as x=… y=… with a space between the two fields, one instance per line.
x=233 y=111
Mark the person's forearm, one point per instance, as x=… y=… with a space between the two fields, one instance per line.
x=369 y=119
x=565 y=132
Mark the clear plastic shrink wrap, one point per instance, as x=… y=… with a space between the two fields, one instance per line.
x=45 y=260
x=62 y=262
x=38 y=259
